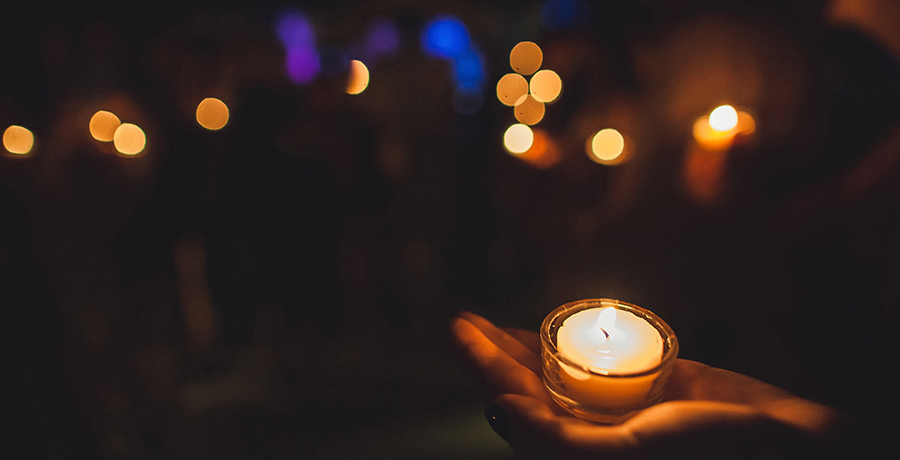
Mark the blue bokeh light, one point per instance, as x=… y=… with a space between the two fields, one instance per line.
x=294 y=30
x=445 y=37
x=468 y=69
x=563 y=14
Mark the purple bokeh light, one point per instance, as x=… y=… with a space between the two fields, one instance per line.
x=301 y=59
x=302 y=64
x=383 y=38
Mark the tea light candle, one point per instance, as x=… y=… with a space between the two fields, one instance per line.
x=604 y=359
x=606 y=341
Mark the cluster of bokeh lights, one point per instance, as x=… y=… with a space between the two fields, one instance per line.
x=528 y=98
x=129 y=139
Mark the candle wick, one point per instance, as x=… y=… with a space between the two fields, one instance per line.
x=605 y=333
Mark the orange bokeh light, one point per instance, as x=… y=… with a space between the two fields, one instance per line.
x=712 y=139
x=543 y=152
x=607 y=147
x=103 y=125
x=545 y=86
x=212 y=114
x=526 y=58
x=529 y=110
x=129 y=139
x=359 y=77
x=511 y=88
x=18 y=140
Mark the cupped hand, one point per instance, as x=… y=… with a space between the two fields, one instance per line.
x=706 y=412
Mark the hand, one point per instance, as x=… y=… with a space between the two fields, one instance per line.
x=706 y=412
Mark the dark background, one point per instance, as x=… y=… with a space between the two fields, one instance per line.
x=280 y=288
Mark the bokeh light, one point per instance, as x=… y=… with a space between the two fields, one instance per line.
x=302 y=64
x=709 y=138
x=563 y=14
x=511 y=88
x=358 y=79
x=543 y=153
x=103 y=125
x=723 y=118
x=468 y=69
x=294 y=30
x=445 y=37
x=383 y=38
x=607 y=147
x=546 y=85
x=212 y=114
x=129 y=139
x=704 y=175
x=746 y=124
x=526 y=58
x=529 y=110
x=301 y=60
x=518 y=138
x=18 y=140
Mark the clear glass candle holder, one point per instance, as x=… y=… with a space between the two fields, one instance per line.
x=604 y=397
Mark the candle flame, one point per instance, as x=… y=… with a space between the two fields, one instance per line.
x=606 y=320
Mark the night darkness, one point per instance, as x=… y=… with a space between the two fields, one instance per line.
x=280 y=288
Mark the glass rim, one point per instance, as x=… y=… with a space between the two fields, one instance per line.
x=669 y=354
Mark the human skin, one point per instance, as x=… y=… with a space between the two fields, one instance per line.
x=706 y=412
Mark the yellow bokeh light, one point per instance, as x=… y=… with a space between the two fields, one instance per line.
x=129 y=139
x=212 y=114
x=103 y=125
x=518 y=138
x=710 y=138
x=723 y=118
x=607 y=146
x=359 y=77
x=526 y=58
x=18 y=140
x=546 y=86
x=745 y=124
x=511 y=88
x=529 y=110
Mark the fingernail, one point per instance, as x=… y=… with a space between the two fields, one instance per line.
x=498 y=420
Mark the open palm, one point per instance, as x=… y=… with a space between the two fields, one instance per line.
x=706 y=412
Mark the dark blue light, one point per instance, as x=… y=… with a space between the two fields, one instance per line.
x=445 y=37
x=468 y=69
x=563 y=14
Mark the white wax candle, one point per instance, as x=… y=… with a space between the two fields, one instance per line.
x=607 y=340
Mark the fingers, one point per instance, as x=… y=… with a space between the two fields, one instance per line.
x=526 y=356
x=530 y=339
x=494 y=370
x=684 y=373
x=536 y=431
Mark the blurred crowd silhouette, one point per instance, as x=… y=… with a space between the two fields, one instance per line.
x=281 y=286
